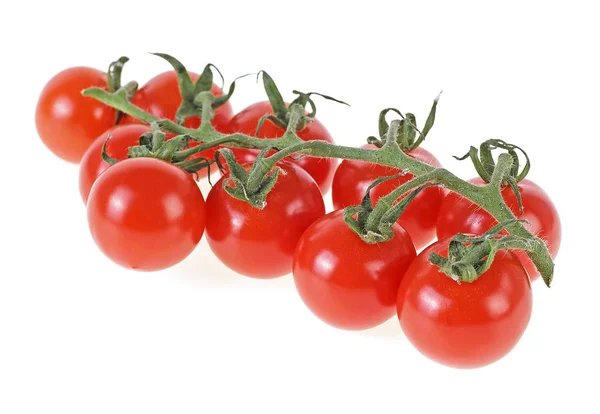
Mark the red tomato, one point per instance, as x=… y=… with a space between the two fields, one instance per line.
x=458 y=214
x=260 y=243
x=92 y=165
x=465 y=325
x=146 y=214
x=346 y=282
x=246 y=122
x=68 y=122
x=161 y=97
x=353 y=177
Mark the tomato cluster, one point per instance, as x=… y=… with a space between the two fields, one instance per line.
x=147 y=214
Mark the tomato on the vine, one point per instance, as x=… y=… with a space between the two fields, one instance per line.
x=246 y=122
x=161 y=97
x=260 y=242
x=352 y=178
x=464 y=325
x=459 y=215
x=68 y=122
x=146 y=214
x=92 y=165
x=343 y=280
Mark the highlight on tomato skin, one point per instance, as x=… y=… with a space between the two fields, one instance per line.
x=466 y=325
x=260 y=243
x=346 y=282
x=146 y=214
x=352 y=178
x=246 y=122
x=120 y=138
x=459 y=215
x=68 y=122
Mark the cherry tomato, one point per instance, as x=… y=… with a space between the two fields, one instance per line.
x=346 y=282
x=68 y=122
x=466 y=325
x=146 y=214
x=459 y=215
x=352 y=178
x=92 y=165
x=260 y=242
x=161 y=97
x=246 y=122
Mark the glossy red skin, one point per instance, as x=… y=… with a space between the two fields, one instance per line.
x=92 y=165
x=161 y=97
x=467 y=325
x=260 y=243
x=346 y=282
x=458 y=214
x=68 y=122
x=246 y=122
x=146 y=214
x=352 y=178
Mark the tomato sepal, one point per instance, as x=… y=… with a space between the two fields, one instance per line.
x=113 y=81
x=194 y=93
x=154 y=144
x=251 y=186
x=406 y=133
x=358 y=217
x=282 y=111
x=484 y=164
x=471 y=256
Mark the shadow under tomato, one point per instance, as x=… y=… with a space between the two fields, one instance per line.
x=202 y=267
x=390 y=329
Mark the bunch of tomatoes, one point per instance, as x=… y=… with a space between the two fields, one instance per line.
x=148 y=214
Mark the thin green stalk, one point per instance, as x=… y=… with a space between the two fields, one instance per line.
x=488 y=197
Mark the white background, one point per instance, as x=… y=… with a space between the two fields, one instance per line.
x=81 y=335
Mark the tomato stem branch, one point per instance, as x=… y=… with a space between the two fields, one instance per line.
x=488 y=197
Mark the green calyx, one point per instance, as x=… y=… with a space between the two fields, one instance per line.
x=361 y=218
x=113 y=81
x=470 y=257
x=407 y=135
x=485 y=165
x=281 y=111
x=155 y=145
x=249 y=186
x=195 y=95
x=372 y=223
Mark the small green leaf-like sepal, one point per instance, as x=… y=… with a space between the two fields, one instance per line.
x=170 y=147
x=362 y=212
x=114 y=74
x=470 y=257
x=113 y=80
x=281 y=111
x=430 y=119
x=271 y=118
x=485 y=165
x=235 y=169
x=394 y=213
x=205 y=81
x=107 y=158
x=221 y=100
x=252 y=187
x=407 y=133
x=139 y=151
x=146 y=139
x=275 y=98
x=383 y=124
x=186 y=85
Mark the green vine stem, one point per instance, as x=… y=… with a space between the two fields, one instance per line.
x=488 y=197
